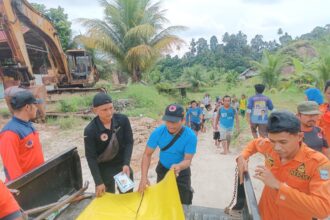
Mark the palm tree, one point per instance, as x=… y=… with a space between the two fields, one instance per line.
x=133 y=33
x=195 y=76
x=270 y=68
x=323 y=71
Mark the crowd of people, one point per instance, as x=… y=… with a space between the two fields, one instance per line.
x=295 y=146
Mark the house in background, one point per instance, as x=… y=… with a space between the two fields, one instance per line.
x=248 y=73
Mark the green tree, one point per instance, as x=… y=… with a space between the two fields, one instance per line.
x=213 y=43
x=60 y=21
x=133 y=33
x=195 y=76
x=270 y=68
x=285 y=39
x=323 y=70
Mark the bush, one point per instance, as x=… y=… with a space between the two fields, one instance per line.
x=65 y=123
x=5 y=113
x=75 y=104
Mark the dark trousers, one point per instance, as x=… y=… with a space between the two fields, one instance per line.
x=183 y=182
x=108 y=172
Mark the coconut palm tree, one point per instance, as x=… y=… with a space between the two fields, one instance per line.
x=133 y=32
x=270 y=68
x=323 y=70
x=195 y=76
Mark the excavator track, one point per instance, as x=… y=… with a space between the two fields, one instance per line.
x=76 y=90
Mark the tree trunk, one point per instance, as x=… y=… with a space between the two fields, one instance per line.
x=115 y=77
x=137 y=75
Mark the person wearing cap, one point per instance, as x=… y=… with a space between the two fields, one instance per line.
x=296 y=177
x=308 y=114
x=257 y=112
x=20 y=147
x=108 y=140
x=176 y=155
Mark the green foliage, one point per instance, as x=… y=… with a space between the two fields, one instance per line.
x=164 y=87
x=65 y=123
x=5 y=113
x=269 y=68
x=133 y=33
x=231 y=79
x=148 y=102
x=75 y=104
x=323 y=70
x=195 y=76
x=60 y=21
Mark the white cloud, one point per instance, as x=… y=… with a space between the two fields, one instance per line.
x=205 y=18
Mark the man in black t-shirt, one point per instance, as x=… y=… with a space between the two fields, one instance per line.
x=104 y=164
x=308 y=113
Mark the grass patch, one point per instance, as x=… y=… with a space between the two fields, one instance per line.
x=5 y=113
x=147 y=101
x=65 y=123
x=75 y=103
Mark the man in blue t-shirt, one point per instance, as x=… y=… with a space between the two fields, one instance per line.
x=177 y=156
x=225 y=121
x=257 y=112
x=194 y=117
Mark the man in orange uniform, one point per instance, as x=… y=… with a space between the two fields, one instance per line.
x=296 y=178
x=9 y=209
x=20 y=146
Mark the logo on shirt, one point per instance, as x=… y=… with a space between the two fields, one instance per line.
x=29 y=144
x=104 y=137
x=324 y=172
x=269 y=160
x=300 y=172
x=320 y=135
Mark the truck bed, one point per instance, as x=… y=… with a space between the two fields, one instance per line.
x=62 y=176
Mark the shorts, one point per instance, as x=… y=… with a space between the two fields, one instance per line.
x=225 y=133
x=216 y=135
x=194 y=126
x=242 y=112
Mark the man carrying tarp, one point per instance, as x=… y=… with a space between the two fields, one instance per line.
x=177 y=145
x=108 y=144
x=296 y=177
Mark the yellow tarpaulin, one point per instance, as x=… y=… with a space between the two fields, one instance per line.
x=160 y=202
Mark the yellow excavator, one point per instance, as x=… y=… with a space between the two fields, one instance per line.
x=31 y=55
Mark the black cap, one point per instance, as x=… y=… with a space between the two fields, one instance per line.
x=101 y=98
x=173 y=113
x=22 y=98
x=283 y=121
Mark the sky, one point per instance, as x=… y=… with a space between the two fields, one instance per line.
x=205 y=18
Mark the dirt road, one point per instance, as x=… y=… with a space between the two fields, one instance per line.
x=212 y=173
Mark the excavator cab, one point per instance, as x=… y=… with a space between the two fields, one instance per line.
x=81 y=66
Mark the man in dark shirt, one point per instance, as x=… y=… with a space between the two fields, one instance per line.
x=97 y=136
x=308 y=114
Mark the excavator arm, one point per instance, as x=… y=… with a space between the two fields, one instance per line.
x=12 y=27
x=16 y=11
